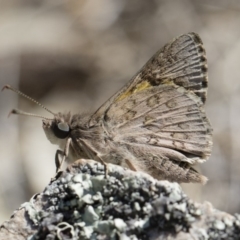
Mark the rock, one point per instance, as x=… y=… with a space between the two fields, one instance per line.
x=82 y=204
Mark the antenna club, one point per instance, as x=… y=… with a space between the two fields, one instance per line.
x=22 y=113
x=14 y=111
x=6 y=87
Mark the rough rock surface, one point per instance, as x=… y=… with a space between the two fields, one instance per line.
x=82 y=204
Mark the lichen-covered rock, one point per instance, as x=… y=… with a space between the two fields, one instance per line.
x=82 y=204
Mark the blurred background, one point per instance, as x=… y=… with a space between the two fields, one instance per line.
x=73 y=55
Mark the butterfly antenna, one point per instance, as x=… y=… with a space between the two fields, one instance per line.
x=29 y=98
x=22 y=113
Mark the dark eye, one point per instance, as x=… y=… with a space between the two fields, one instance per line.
x=61 y=130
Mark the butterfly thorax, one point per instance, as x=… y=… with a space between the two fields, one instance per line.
x=86 y=141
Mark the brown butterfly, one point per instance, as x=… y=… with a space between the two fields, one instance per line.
x=156 y=123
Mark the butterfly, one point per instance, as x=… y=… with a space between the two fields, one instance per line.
x=155 y=124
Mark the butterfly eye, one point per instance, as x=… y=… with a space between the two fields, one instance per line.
x=63 y=127
x=61 y=130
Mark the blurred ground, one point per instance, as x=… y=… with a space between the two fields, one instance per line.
x=73 y=55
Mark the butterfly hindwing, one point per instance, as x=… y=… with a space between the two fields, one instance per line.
x=168 y=117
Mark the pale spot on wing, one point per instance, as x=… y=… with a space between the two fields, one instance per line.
x=148 y=119
x=184 y=126
x=129 y=115
x=153 y=101
x=179 y=135
x=171 y=104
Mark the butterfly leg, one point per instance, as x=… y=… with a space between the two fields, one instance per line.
x=93 y=154
x=130 y=165
x=59 y=162
x=59 y=159
x=64 y=154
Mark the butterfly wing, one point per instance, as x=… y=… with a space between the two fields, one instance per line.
x=158 y=116
x=182 y=62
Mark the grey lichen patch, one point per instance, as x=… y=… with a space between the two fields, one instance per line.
x=90 y=216
x=31 y=211
x=83 y=204
x=226 y=227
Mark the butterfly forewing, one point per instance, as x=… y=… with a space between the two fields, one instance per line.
x=182 y=62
